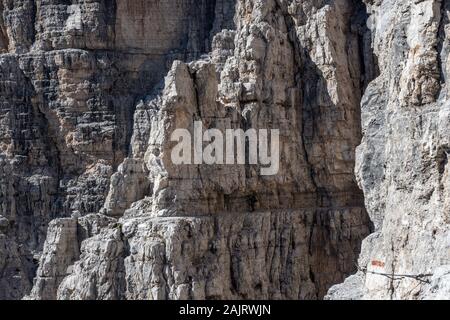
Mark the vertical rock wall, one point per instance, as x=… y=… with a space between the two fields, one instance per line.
x=92 y=206
x=225 y=231
x=68 y=89
x=402 y=162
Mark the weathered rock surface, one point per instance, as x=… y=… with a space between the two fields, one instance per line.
x=260 y=255
x=71 y=73
x=402 y=163
x=92 y=207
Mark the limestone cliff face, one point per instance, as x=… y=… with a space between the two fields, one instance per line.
x=71 y=74
x=92 y=207
x=402 y=163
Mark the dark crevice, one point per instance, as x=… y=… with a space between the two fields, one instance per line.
x=443 y=49
x=370 y=69
x=4 y=40
x=442 y=160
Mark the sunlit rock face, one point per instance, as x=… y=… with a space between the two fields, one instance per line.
x=402 y=163
x=93 y=207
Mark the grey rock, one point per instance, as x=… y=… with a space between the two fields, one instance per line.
x=240 y=235
x=402 y=163
x=265 y=255
x=92 y=207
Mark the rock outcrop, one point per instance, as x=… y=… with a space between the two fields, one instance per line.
x=92 y=206
x=402 y=163
x=71 y=74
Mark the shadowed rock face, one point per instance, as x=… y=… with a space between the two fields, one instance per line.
x=91 y=205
